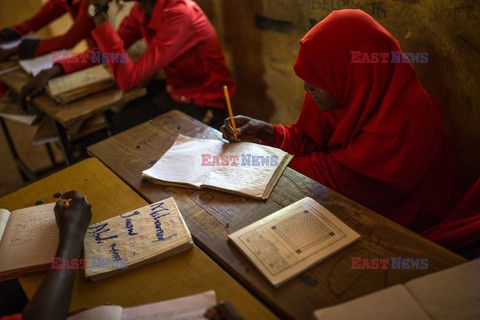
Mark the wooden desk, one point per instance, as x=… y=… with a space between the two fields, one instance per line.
x=186 y=273
x=65 y=115
x=212 y=215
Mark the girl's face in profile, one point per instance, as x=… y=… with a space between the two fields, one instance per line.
x=324 y=99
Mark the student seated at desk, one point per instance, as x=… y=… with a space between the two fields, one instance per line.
x=180 y=39
x=367 y=128
x=50 y=11
x=52 y=299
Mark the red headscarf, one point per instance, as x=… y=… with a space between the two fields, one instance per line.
x=385 y=146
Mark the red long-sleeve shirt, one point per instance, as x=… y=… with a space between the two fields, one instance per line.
x=52 y=10
x=180 y=39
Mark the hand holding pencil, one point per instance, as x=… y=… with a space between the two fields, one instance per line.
x=248 y=129
x=72 y=219
x=230 y=112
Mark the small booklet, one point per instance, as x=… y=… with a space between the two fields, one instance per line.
x=79 y=84
x=243 y=168
x=191 y=307
x=135 y=238
x=28 y=240
x=448 y=294
x=293 y=239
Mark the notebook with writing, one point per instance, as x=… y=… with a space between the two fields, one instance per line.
x=243 y=168
x=135 y=238
x=28 y=240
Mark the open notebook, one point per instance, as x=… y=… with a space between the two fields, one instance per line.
x=452 y=294
x=191 y=307
x=242 y=168
x=28 y=240
x=293 y=239
x=135 y=238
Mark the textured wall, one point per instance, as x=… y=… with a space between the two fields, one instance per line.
x=261 y=39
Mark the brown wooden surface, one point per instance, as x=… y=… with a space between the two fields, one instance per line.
x=189 y=272
x=68 y=113
x=212 y=215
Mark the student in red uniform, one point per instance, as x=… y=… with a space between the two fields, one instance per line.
x=50 y=11
x=180 y=40
x=367 y=130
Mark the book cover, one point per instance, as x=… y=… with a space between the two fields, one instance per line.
x=135 y=238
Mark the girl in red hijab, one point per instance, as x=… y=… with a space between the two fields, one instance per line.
x=367 y=130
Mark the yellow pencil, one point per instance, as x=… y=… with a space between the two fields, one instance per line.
x=230 y=112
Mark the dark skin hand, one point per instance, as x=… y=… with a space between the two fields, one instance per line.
x=52 y=299
x=223 y=311
x=146 y=5
x=6 y=54
x=248 y=129
x=101 y=17
x=36 y=85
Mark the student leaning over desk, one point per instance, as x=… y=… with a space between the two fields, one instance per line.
x=367 y=130
x=50 y=11
x=180 y=39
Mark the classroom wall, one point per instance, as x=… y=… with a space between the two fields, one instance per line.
x=261 y=39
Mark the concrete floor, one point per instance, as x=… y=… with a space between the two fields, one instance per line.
x=35 y=157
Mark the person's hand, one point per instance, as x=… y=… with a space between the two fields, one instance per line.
x=72 y=220
x=248 y=129
x=223 y=311
x=36 y=85
x=5 y=54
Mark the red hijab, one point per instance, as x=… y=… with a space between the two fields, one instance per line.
x=386 y=144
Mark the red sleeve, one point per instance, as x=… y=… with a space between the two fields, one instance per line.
x=77 y=62
x=292 y=140
x=129 y=30
x=175 y=39
x=80 y=29
x=49 y=12
x=368 y=176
